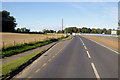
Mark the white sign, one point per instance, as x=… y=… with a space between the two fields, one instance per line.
x=113 y=32
x=73 y=34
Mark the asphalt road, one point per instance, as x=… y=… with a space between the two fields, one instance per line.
x=75 y=58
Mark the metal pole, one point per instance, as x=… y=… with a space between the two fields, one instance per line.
x=62 y=25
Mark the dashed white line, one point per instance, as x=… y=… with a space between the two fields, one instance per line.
x=37 y=70
x=49 y=60
x=85 y=47
x=88 y=54
x=92 y=64
x=82 y=42
x=44 y=64
x=55 y=54
x=95 y=71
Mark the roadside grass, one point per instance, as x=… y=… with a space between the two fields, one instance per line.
x=70 y=37
x=109 y=37
x=24 y=47
x=9 y=67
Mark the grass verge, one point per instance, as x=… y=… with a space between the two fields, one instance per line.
x=13 y=66
x=109 y=37
x=70 y=37
x=24 y=47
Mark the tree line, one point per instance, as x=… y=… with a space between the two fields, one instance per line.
x=87 y=30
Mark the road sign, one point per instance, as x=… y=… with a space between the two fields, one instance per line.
x=114 y=32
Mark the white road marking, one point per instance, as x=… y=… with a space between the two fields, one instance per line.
x=37 y=70
x=44 y=64
x=53 y=56
x=95 y=71
x=49 y=60
x=28 y=78
x=82 y=41
x=85 y=47
x=88 y=54
x=103 y=46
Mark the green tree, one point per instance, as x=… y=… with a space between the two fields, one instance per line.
x=8 y=22
x=59 y=31
x=48 y=31
x=94 y=30
x=79 y=30
x=118 y=32
x=84 y=30
x=88 y=30
x=104 y=30
x=18 y=30
x=23 y=30
x=109 y=31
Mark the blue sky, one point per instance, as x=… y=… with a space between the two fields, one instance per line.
x=48 y=15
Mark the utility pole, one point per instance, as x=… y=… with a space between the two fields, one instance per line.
x=62 y=25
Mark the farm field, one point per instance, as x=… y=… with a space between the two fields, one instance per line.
x=12 y=39
x=107 y=41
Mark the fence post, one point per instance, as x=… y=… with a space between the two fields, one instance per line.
x=14 y=43
x=46 y=37
x=24 y=41
x=3 y=44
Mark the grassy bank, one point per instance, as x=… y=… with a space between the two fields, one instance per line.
x=109 y=37
x=9 y=67
x=70 y=37
x=24 y=47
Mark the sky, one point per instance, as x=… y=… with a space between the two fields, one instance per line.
x=48 y=15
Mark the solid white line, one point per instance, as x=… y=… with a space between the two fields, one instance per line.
x=88 y=54
x=103 y=46
x=95 y=71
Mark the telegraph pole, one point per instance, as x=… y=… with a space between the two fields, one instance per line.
x=62 y=25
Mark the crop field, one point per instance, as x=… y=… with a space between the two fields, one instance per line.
x=12 y=39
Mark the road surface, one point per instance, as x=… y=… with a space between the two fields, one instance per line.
x=75 y=58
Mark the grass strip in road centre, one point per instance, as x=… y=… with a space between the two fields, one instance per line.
x=24 y=47
x=9 y=67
